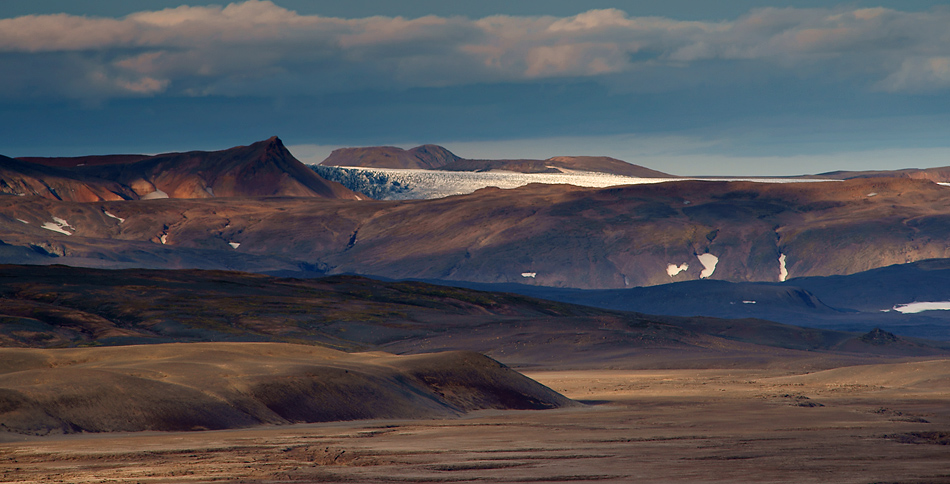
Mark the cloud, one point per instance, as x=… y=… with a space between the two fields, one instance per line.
x=257 y=48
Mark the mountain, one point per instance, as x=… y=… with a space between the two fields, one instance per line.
x=547 y=235
x=23 y=178
x=433 y=157
x=262 y=169
x=936 y=175
x=560 y=164
x=425 y=157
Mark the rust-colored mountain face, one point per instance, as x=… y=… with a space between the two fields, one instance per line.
x=434 y=157
x=551 y=235
x=22 y=178
x=262 y=169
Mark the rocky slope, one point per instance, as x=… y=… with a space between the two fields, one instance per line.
x=262 y=169
x=60 y=306
x=551 y=235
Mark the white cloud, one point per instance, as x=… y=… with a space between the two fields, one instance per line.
x=255 y=47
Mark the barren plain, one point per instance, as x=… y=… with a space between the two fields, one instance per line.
x=865 y=424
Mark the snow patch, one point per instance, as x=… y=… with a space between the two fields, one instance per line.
x=782 y=271
x=709 y=262
x=673 y=270
x=234 y=245
x=210 y=191
x=24 y=221
x=62 y=223
x=55 y=228
x=120 y=219
x=164 y=239
x=748 y=302
x=155 y=195
x=532 y=275
x=943 y=184
x=58 y=225
x=869 y=195
x=916 y=307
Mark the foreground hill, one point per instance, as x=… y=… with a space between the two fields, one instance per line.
x=206 y=386
x=262 y=169
x=550 y=235
x=434 y=157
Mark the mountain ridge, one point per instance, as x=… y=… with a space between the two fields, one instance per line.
x=265 y=168
x=435 y=157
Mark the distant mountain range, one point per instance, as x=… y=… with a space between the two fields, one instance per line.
x=434 y=157
x=262 y=169
x=271 y=214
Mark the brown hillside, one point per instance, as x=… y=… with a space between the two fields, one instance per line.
x=203 y=386
x=262 y=169
x=561 y=235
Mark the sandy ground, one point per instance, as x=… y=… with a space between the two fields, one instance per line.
x=646 y=426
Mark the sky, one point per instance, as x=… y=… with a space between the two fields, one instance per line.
x=691 y=87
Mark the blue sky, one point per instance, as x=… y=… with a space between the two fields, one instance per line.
x=685 y=86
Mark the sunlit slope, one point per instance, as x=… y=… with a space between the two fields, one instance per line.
x=550 y=235
x=265 y=168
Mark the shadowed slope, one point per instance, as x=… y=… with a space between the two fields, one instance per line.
x=434 y=157
x=229 y=385
x=61 y=306
x=425 y=157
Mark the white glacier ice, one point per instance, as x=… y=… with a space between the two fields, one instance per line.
x=425 y=184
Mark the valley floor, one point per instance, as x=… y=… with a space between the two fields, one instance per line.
x=881 y=423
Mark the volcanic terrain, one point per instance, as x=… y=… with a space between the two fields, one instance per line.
x=338 y=377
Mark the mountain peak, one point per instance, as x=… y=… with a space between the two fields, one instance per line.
x=262 y=169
